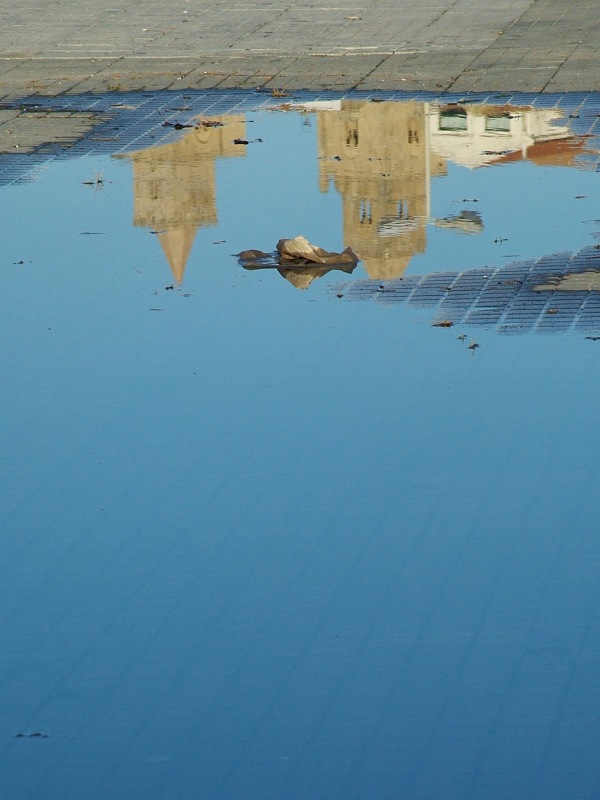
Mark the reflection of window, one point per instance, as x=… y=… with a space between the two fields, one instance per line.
x=352 y=137
x=498 y=124
x=453 y=119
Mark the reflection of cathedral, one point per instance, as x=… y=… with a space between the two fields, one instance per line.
x=382 y=156
x=174 y=186
x=378 y=157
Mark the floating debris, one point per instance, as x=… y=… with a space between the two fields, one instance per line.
x=299 y=261
x=209 y=123
x=178 y=126
x=97 y=181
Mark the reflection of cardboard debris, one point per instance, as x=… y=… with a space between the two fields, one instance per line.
x=575 y=282
x=26 y=131
x=299 y=261
x=302 y=278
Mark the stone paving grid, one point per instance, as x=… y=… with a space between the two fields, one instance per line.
x=435 y=45
x=122 y=129
x=502 y=297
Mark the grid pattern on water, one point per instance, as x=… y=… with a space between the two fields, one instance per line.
x=509 y=298
x=134 y=120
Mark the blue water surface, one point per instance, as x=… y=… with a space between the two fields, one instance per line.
x=259 y=542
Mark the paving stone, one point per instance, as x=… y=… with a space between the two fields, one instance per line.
x=463 y=45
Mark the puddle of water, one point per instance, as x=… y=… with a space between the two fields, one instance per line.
x=270 y=542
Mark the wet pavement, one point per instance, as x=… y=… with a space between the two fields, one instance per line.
x=279 y=530
x=77 y=46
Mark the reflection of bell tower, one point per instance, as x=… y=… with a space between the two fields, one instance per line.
x=378 y=157
x=174 y=186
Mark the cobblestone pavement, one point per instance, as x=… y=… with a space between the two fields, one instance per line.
x=79 y=46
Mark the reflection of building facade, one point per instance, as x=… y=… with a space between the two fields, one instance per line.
x=476 y=135
x=378 y=158
x=174 y=186
x=382 y=156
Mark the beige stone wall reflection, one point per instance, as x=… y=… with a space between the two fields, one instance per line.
x=174 y=185
x=378 y=157
x=381 y=158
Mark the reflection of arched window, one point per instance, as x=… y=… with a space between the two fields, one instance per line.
x=453 y=118
x=498 y=123
x=413 y=136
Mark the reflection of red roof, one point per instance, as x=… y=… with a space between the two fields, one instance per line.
x=556 y=152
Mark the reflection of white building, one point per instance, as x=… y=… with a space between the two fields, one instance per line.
x=478 y=135
x=381 y=157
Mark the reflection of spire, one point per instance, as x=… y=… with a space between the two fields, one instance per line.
x=177 y=246
x=174 y=185
x=377 y=156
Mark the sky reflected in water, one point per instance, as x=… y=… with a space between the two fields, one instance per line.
x=260 y=541
x=406 y=185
